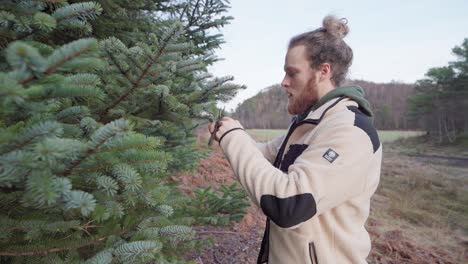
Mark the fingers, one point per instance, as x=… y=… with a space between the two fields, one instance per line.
x=211 y=126
x=218 y=135
x=224 y=125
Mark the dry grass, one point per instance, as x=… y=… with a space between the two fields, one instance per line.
x=423 y=206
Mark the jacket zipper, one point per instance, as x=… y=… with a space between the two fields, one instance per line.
x=279 y=156
x=313 y=253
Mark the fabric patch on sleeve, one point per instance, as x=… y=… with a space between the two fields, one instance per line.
x=289 y=211
x=294 y=151
x=365 y=123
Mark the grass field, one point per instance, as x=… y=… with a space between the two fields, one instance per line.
x=385 y=136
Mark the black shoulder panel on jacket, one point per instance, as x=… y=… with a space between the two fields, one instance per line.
x=290 y=211
x=291 y=156
x=365 y=123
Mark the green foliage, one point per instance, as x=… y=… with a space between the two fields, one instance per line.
x=92 y=129
x=103 y=257
x=220 y=207
x=46 y=21
x=441 y=97
x=131 y=22
x=138 y=251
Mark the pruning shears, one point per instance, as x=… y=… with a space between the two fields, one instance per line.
x=216 y=128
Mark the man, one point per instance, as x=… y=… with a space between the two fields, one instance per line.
x=314 y=184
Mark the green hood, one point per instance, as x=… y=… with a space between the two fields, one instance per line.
x=354 y=92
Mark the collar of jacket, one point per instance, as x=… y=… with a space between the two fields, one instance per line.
x=353 y=92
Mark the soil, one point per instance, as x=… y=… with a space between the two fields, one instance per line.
x=442 y=160
x=240 y=242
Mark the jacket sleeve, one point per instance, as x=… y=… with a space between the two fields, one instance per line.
x=270 y=149
x=312 y=184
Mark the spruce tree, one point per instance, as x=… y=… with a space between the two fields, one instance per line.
x=91 y=130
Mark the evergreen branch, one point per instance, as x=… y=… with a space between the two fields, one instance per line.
x=103 y=160
x=217 y=83
x=87 y=10
x=88 y=153
x=27 y=34
x=77 y=14
x=202 y=77
x=78 y=227
x=144 y=161
x=20 y=146
x=191 y=20
x=53 y=250
x=98 y=168
x=52 y=68
x=8 y=36
x=188 y=65
x=183 y=12
x=69 y=57
x=36 y=131
x=122 y=71
x=82 y=187
x=73 y=112
x=140 y=78
x=120 y=149
x=140 y=110
x=100 y=137
x=135 y=62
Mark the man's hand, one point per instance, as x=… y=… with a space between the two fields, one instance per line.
x=225 y=125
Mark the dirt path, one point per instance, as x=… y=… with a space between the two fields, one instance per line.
x=443 y=160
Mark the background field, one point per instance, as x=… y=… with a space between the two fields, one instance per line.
x=384 y=135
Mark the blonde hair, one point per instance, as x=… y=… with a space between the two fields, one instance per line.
x=326 y=45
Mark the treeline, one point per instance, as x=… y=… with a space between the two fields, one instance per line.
x=437 y=103
x=389 y=103
x=440 y=101
x=268 y=109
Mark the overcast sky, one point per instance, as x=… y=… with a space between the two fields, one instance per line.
x=391 y=40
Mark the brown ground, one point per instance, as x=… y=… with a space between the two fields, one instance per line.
x=392 y=243
x=238 y=243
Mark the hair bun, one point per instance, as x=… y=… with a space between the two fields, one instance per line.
x=336 y=27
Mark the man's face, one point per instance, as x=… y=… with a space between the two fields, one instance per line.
x=300 y=81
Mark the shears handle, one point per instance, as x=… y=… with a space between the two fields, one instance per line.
x=216 y=128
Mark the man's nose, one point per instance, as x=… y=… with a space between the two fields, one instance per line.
x=285 y=83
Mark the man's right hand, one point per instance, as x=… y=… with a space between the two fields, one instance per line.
x=225 y=125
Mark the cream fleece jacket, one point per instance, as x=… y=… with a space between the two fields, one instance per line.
x=314 y=184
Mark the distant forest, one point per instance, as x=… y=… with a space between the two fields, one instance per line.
x=268 y=109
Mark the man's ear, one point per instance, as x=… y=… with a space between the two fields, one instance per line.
x=325 y=71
